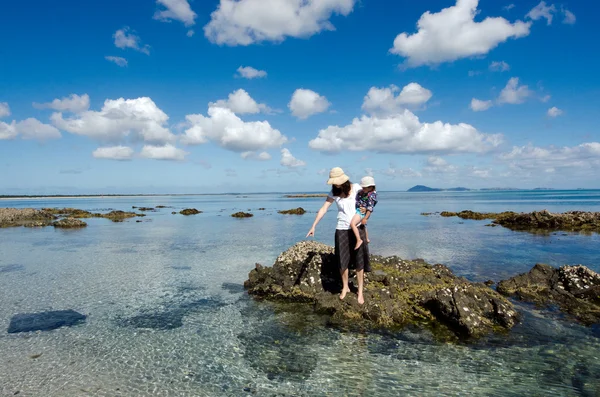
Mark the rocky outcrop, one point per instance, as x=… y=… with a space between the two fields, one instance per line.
x=574 y=289
x=115 y=216
x=69 y=223
x=537 y=220
x=11 y=217
x=294 y=211
x=44 y=321
x=242 y=215
x=397 y=293
x=190 y=211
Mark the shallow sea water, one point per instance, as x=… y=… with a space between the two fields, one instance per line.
x=167 y=314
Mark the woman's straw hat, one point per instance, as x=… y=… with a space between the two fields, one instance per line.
x=337 y=176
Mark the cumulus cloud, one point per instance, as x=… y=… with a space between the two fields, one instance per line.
x=509 y=7
x=28 y=129
x=545 y=98
x=165 y=152
x=240 y=102
x=120 y=61
x=139 y=119
x=8 y=131
x=178 y=10
x=248 y=72
x=394 y=172
x=306 y=103
x=4 y=109
x=453 y=34
x=113 y=153
x=513 y=93
x=227 y=130
x=404 y=133
x=554 y=112
x=262 y=156
x=244 y=22
x=499 y=66
x=125 y=38
x=542 y=11
x=288 y=160
x=479 y=105
x=437 y=165
x=569 y=17
x=529 y=157
x=385 y=101
x=73 y=103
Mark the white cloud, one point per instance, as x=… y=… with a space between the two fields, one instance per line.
x=586 y=155
x=4 y=109
x=122 y=62
x=178 y=10
x=305 y=103
x=404 y=133
x=240 y=102
x=509 y=7
x=263 y=156
x=244 y=22
x=545 y=98
x=384 y=101
x=569 y=17
x=474 y=73
x=34 y=129
x=166 y=152
x=554 y=112
x=479 y=105
x=8 y=131
x=437 y=165
x=288 y=160
x=248 y=72
x=73 y=103
x=452 y=34
x=393 y=172
x=190 y=33
x=227 y=130
x=139 y=119
x=113 y=153
x=542 y=11
x=513 y=93
x=499 y=66
x=125 y=38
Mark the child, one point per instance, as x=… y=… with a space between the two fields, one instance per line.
x=366 y=198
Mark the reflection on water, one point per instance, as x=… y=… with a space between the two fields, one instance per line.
x=167 y=313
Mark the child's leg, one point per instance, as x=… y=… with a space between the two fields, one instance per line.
x=367 y=234
x=354 y=225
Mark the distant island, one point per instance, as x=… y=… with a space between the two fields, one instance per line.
x=421 y=188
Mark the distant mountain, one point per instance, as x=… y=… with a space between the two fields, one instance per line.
x=421 y=188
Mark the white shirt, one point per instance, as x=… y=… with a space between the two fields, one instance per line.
x=346 y=207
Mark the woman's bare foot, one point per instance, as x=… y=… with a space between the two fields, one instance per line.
x=358 y=244
x=361 y=299
x=344 y=292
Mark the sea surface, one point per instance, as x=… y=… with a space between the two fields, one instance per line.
x=167 y=314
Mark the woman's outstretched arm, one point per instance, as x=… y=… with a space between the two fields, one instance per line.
x=320 y=215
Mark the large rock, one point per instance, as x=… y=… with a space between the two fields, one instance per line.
x=69 y=223
x=10 y=217
x=575 y=289
x=44 y=321
x=397 y=293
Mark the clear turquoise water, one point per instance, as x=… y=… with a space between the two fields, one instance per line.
x=167 y=315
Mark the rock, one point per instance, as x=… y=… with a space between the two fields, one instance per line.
x=295 y=211
x=69 y=212
x=242 y=215
x=69 y=223
x=173 y=213
x=261 y=209
x=119 y=216
x=146 y=209
x=574 y=289
x=161 y=206
x=11 y=217
x=44 y=321
x=397 y=293
x=190 y=211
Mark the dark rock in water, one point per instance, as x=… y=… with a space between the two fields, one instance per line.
x=11 y=217
x=11 y=268
x=146 y=209
x=161 y=206
x=242 y=215
x=69 y=223
x=233 y=288
x=119 y=216
x=295 y=211
x=173 y=213
x=575 y=289
x=397 y=293
x=181 y=267
x=489 y=283
x=44 y=321
x=190 y=211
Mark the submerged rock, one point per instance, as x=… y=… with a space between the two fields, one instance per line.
x=537 y=220
x=242 y=215
x=69 y=223
x=44 y=321
x=295 y=211
x=397 y=293
x=575 y=289
x=11 y=217
x=190 y=211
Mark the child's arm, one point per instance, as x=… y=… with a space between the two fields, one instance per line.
x=366 y=218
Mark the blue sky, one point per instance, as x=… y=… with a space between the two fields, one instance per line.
x=178 y=96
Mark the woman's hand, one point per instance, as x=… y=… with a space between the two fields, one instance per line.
x=364 y=221
x=311 y=232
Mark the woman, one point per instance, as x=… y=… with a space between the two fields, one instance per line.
x=343 y=193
